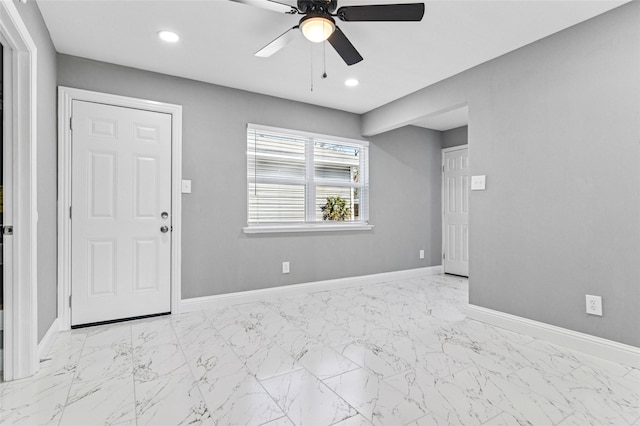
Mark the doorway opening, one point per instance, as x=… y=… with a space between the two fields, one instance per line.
x=452 y=122
x=19 y=213
x=163 y=217
x=455 y=193
x=1 y=211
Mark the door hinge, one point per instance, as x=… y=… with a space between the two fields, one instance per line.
x=7 y=230
x=69 y=212
x=70 y=123
x=442 y=169
x=442 y=255
x=69 y=300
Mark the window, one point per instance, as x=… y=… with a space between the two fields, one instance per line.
x=299 y=181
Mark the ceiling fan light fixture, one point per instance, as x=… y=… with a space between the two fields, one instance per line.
x=317 y=28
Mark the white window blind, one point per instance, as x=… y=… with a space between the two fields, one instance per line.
x=292 y=175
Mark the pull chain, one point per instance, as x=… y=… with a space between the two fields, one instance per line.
x=311 y=50
x=324 y=59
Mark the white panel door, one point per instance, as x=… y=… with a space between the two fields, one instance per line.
x=455 y=227
x=120 y=223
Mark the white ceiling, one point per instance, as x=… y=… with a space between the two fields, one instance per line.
x=219 y=37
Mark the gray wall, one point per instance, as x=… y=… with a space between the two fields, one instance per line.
x=217 y=257
x=554 y=126
x=455 y=137
x=47 y=164
x=406 y=192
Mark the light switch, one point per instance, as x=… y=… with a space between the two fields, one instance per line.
x=186 y=187
x=478 y=183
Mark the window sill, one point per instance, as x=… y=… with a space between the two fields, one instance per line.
x=281 y=229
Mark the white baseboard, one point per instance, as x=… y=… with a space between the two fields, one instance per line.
x=592 y=345
x=47 y=340
x=222 y=300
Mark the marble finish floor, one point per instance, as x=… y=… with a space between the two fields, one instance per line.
x=398 y=353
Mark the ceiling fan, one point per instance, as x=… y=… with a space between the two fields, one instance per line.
x=318 y=23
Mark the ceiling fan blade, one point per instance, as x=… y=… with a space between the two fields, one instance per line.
x=269 y=5
x=343 y=46
x=382 y=12
x=278 y=43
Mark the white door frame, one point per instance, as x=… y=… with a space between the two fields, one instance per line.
x=20 y=191
x=444 y=151
x=66 y=96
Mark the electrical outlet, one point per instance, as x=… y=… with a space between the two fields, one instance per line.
x=594 y=305
x=421 y=254
x=285 y=267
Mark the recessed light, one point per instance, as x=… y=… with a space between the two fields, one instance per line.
x=352 y=82
x=168 y=36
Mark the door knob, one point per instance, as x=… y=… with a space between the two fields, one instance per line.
x=164 y=215
x=164 y=229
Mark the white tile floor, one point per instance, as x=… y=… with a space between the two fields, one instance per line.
x=388 y=354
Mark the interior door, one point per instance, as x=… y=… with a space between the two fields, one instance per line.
x=120 y=213
x=455 y=225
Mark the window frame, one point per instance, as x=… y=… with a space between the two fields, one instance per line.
x=311 y=182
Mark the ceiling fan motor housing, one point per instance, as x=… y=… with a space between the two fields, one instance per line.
x=322 y=6
x=311 y=15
